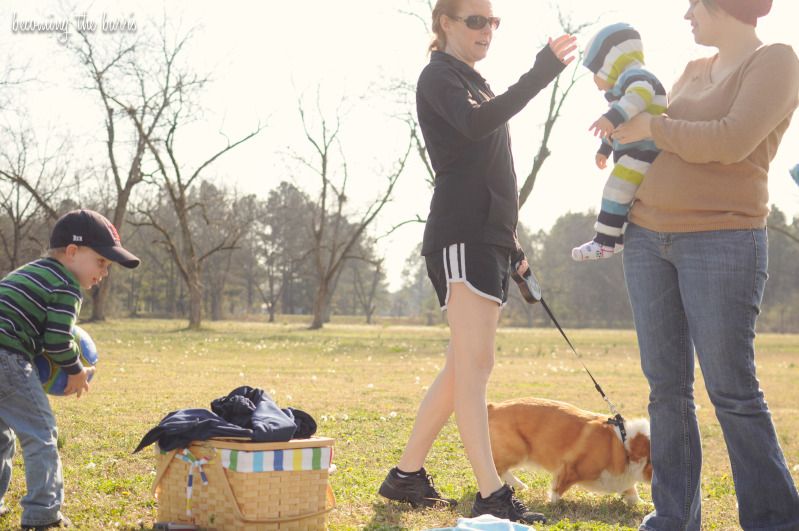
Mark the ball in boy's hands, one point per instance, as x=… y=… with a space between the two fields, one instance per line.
x=52 y=376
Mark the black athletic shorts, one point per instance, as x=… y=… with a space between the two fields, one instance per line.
x=485 y=269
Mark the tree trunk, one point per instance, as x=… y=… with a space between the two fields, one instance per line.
x=133 y=296
x=250 y=293
x=330 y=290
x=286 y=295
x=99 y=298
x=195 y=285
x=195 y=304
x=171 y=292
x=320 y=305
x=216 y=305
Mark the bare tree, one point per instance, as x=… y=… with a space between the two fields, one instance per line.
x=39 y=175
x=12 y=75
x=277 y=270
x=560 y=92
x=32 y=178
x=226 y=205
x=331 y=242
x=135 y=82
x=185 y=246
x=365 y=294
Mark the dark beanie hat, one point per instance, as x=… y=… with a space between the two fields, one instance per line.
x=747 y=11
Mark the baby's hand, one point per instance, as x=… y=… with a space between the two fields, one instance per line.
x=602 y=127
x=601 y=161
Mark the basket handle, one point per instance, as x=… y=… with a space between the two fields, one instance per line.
x=162 y=468
x=330 y=498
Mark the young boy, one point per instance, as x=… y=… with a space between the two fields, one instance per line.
x=616 y=57
x=39 y=303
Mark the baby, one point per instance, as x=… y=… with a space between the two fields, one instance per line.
x=616 y=57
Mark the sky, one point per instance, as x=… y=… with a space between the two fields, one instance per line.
x=266 y=56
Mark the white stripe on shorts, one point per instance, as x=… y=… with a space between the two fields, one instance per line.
x=455 y=271
x=455 y=262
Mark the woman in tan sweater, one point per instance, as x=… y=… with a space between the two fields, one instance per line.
x=695 y=264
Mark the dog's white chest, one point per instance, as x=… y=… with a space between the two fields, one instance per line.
x=608 y=482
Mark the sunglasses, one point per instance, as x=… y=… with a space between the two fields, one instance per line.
x=478 y=22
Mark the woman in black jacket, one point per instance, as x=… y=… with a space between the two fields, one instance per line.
x=469 y=241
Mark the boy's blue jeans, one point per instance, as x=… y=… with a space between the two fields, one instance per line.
x=25 y=411
x=703 y=290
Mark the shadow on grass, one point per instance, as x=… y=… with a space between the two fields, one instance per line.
x=612 y=511
x=389 y=516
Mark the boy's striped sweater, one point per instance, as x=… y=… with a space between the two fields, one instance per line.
x=39 y=304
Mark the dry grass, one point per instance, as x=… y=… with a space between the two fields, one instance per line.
x=363 y=385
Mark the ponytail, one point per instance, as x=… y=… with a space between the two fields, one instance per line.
x=442 y=8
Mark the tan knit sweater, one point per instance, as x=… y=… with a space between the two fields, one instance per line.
x=718 y=140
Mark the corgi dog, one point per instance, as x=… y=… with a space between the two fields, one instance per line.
x=577 y=447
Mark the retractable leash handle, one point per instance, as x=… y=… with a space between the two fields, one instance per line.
x=528 y=284
x=531 y=292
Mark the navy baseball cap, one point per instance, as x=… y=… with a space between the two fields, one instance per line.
x=92 y=229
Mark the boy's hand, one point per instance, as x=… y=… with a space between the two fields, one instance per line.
x=602 y=127
x=601 y=161
x=78 y=383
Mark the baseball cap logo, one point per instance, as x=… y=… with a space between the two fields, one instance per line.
x=114 y=233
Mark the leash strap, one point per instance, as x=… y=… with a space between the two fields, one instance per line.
x=617 y=420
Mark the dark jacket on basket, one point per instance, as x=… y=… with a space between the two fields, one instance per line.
x=245 y=412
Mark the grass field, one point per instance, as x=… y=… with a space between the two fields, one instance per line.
x=363 y=385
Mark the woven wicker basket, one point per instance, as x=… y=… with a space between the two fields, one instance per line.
x=222 y=498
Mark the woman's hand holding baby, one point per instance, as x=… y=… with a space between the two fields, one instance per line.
x=639 y=128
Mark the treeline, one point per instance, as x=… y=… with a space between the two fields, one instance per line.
x=256 y=256
x=268 y=271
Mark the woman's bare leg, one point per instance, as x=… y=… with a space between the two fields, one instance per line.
x=473 y=324
x=434 y=411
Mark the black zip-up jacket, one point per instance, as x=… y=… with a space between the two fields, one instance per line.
x=465 y=127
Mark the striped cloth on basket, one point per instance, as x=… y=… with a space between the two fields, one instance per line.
x=277 y=460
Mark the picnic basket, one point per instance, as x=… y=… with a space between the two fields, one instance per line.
x=246 y=486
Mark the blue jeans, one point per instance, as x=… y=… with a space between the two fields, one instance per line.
x=703 y=290
x=25 y=411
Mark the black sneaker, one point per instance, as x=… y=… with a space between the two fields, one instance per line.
x=416 y=488
x=63 y=522
x=503 y=504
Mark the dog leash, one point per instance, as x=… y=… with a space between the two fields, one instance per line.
x=531 y=292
